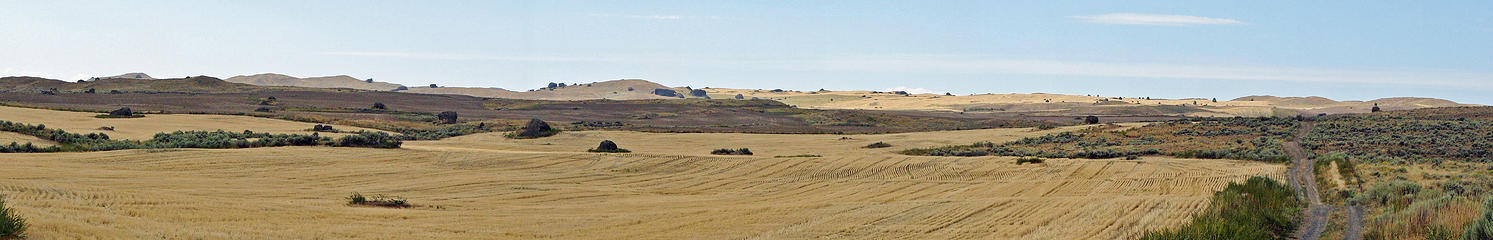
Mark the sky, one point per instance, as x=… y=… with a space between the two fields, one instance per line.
x=1345 y=50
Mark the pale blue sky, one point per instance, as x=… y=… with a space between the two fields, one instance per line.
x=1348 y=50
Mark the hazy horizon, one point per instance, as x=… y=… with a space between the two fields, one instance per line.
x=1342 y=51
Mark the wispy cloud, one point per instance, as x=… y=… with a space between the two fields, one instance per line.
x=447 y=56
x=1155 y=19
x=654 y=17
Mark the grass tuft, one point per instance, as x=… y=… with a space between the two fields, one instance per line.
x=1260 y=208
x=12 y=226
x=357 y=199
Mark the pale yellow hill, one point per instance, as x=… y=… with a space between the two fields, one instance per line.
x=339 y=81
x=146 y=127
x=131 y=76
x=626 y=89
x=1074 y=104
x=486 y=186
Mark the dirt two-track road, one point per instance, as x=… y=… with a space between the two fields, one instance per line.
x=1314 y=219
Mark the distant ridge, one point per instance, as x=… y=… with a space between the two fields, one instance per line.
x=130 y=76
x=339 y=81
x=622 y=89
x=198 y=84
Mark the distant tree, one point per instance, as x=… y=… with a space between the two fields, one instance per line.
x=432 y=85
x=562 y=85
x=1091 y=120
x=90 y=91
x=262 y=109
x=1215 y=99
x=697 y=93
x=739 y=96
x=629 y=89
x=115 y=92
x=379 y=106
x=447 y=117
x=553 y=85
x=401 y=88
x=1375 y=109
x=370 y=80
x=948 y=94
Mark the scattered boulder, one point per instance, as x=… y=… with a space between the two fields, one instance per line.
x=665 y=92
x=535 y=129
x=608 y=146
x=121 y=112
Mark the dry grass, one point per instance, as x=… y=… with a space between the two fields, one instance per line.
x=146 y=127
x=9 y=137
x=486 y=186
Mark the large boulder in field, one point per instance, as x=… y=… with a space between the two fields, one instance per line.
x=535 y=129
x=121 y=112
x=665 y=92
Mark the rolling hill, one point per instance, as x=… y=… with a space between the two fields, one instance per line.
x=624 y=89
x=129 y=75
x=1062 y=104
x=339 y=81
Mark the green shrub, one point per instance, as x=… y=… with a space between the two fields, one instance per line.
x=878 y=145
x=369 y=139
x=447 y=117
x=1260 y=208
x=12 y=226
x=1025 y=160
x=728 y=151
x=1482 y=228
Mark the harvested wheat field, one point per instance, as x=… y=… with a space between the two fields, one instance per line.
x=10 y=137
x=485 y=186
x=146 y=127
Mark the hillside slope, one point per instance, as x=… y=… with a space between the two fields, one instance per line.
x=1063 y=104
x=199 y=84
x=339 y=81
x=134 y=75
x=625 y=89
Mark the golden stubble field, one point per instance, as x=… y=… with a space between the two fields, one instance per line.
x=489 y=187
x=146 y=127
